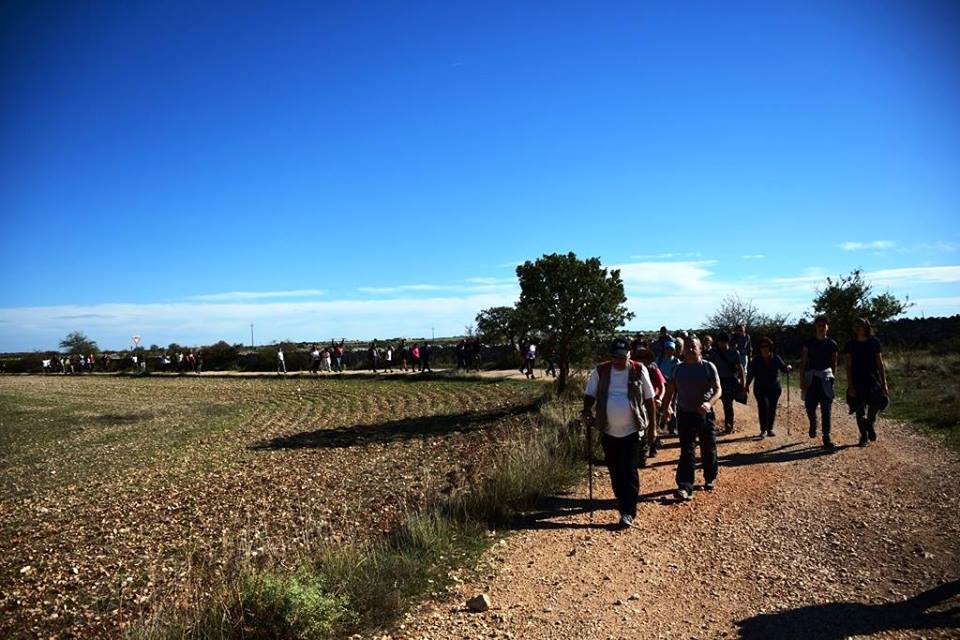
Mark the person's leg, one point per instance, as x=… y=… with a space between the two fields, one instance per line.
x=727 y=398
x=862 y=425
x=708 y=448
x=871 y=421
x=773 y=399
x=826 y=404
x=762 y=418
x=687 y=428
x=810 y=402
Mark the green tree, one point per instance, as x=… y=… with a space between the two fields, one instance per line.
x=499 y=324
x=574 y=303
x=849 y=297
x=78 y=342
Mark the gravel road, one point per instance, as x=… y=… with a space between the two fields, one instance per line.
x=795 y=542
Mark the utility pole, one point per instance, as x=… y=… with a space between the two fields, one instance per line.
x=251 y=336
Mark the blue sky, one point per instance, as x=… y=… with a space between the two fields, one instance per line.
x=179 y=170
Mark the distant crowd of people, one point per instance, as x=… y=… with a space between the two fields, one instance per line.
x=671 y=384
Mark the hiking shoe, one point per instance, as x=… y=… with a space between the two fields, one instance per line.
x=684 y=494
x=652 y=452
x=626 y=520
x=763 y=434
x=710 y=485
x=828 y=444
x=770 y=433
x=813 y=432
x=872 y=434
x=863 y=440
x=727 y=430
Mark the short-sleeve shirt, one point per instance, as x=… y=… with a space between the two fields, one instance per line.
x=820 y=353
x=863 y=360
x=695 y=383
x=619 y=414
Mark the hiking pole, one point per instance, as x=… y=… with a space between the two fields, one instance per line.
x=789 y=415
x=588 y=423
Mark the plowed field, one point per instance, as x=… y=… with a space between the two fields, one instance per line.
x=125 y=497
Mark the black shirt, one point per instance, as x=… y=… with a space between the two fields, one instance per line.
x=863 y=361
x=725 y=361
x=766 y=373
x=820 y=353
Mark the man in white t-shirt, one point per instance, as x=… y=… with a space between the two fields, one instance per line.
x=619 y=401
x=281 y=362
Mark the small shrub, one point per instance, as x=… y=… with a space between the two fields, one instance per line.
x=297 y=606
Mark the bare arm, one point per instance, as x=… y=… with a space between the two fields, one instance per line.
x=651 y=408
x=668 y=398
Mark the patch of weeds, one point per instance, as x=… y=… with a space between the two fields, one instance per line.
x=300 y=606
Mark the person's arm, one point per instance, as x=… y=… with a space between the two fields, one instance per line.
x=707 y=406
x=848 y=361
x=882 y=370
x=740 y=375
x=751 y=373
x=651 y=407
x=783 y=366
x=803 y=371
x=667 y=403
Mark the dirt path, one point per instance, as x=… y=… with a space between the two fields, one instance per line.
x=795 y=542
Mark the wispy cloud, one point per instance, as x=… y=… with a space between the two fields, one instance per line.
x=229 y=296
x=666 y=256
x=754 y=256
x=676 y=293
x=860 y=246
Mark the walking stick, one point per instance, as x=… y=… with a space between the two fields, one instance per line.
x=789 y=415
x=588 y=423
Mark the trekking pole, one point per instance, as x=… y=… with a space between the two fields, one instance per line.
x=789 y=415
x=588 y=423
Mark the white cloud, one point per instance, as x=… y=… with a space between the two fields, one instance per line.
x=754 y=256
x=678 y=293
x=859 y=246
x=666 y=256
x=258 y=295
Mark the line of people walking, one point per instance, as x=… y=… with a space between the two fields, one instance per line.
x=674 y=384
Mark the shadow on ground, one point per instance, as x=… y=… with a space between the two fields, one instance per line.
x=836 y=620
x=777 y=455
x=393 y=430
x=605 y=513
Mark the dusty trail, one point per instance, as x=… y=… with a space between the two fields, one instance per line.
x=795 y=542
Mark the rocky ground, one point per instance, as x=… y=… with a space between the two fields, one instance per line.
x=795 y=542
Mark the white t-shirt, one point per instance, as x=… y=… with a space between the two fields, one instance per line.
x=280 y=356
x=619 y=416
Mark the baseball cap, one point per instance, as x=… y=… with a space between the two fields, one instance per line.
x=620 y=347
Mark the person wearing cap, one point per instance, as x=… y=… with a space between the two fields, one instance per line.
x=661 y=341
x=765 y=370
x=867 y=392
x=619 y=401
x=696 y=386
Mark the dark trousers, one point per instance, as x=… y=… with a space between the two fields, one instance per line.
x=816 y=397
x=767 y=400
x=692 y=426
x=623 y=459
x=867 y=412
x=727 y=388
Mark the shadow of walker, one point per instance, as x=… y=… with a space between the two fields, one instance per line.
x=836 y=620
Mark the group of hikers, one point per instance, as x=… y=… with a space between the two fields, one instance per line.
x=74 y=363
x=672 y=384
x=383 y=357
